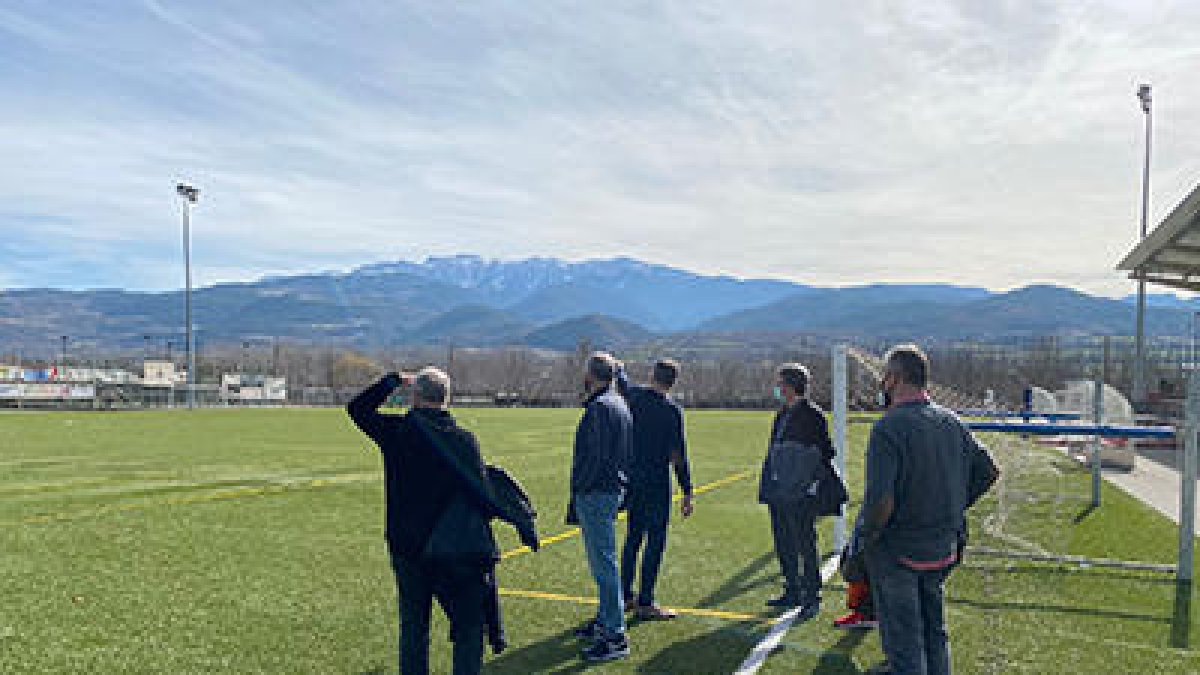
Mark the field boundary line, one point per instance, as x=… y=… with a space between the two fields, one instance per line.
x=691 y=611
x=758 y=655
x=575 y=531
x=218 y=495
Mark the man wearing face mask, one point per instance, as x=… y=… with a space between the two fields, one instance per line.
x=924 y=470
x=799 y=454
x=598 y=481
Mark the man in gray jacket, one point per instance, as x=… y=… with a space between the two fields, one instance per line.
x=598 y=482
x=924 y=470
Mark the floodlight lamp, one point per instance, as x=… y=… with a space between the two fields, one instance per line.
x=1143 y=94
x=188 y=192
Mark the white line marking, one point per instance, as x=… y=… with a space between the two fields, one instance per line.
x=758 y=656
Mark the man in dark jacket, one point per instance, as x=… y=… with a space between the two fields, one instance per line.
x=924 y=470
x=800 y=453
x=659 y=443
x=421 y=484
x=598 y=481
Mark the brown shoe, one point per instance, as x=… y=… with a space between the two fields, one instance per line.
x=654 y=613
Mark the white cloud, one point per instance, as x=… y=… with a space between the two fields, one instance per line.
x=978 y=143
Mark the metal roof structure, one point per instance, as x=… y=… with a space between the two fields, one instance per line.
x=1170 y=255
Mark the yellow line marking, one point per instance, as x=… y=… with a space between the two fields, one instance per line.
x=561 y=536
x=688 y=611
x=219 y=495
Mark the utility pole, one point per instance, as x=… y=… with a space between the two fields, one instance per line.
x=1139 y=348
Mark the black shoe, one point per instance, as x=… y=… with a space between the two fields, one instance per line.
x=810 y=609
x=785 y=600
x=588 y=631
x=607 y=649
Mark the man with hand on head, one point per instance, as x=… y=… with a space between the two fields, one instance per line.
x=658 y=445
x=439 y=504
x=598 y=482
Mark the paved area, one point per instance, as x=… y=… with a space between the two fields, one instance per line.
x=1154 y=480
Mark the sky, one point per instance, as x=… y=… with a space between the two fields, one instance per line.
x=988 y=143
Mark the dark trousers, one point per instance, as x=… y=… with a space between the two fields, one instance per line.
x=793 y=525
x=460 y=588
x=649 y=515
x=912 y=624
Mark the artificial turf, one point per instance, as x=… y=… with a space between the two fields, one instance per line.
x=250 y=541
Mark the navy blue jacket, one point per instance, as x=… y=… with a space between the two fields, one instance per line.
x=658 y=439
x=602 y=444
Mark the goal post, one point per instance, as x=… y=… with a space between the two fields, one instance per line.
x=841 y=394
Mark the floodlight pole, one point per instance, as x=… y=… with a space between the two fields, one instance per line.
x=189 y=196
x=1139 y=357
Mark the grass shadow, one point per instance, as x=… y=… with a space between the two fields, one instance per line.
x=1083 y=515
x=837 y=659
x=559 y=653
x=1056 y=609
x=1181 y=621
x=740 y=582
x=720 y=650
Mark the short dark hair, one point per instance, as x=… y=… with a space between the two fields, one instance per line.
x=794 y=375
x=909 y=363
x=666 y=371
x=601 y=366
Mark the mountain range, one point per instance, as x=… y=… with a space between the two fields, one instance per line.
x=544 y=302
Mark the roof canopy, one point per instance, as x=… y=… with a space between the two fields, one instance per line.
x=1170 y=255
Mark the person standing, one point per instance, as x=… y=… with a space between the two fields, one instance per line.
x=422 y=485
x=800 y=454
x=598 y=483
x=659 y=443
x=924 y=470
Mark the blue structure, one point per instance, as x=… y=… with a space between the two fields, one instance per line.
x=1103 y=430
x=1022 y=414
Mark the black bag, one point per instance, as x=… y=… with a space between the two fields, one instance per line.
x=790 y=472
x=831 y=493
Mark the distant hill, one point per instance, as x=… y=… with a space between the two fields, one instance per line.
x=601 y=332
x=546 y=289
x=469 y=301
x=897 y=313
x=839 y=308
x=474 y=325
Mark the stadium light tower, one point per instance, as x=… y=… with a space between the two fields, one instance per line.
x=189 y=196
x=1139 y=346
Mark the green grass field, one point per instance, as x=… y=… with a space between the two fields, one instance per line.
x=250 y=541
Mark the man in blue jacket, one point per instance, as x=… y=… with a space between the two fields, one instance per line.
x=659 y=443
x=598 y=482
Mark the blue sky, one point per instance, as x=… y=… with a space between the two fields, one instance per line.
x=983 y=143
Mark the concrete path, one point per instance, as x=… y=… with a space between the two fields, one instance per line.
x=1154 y=481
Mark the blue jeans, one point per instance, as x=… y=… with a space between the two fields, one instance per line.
x=649 y=513
x=910 y=608
x=597 y=513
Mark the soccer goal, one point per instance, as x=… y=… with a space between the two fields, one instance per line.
x=1050 y=465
